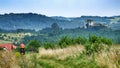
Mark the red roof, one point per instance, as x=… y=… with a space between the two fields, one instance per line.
x=8 y=46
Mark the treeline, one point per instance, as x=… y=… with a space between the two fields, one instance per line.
x=54 y=35
x=38 y=21
x=18 y=31
x=93 y=43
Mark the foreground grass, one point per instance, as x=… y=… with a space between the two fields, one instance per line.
x=70 y=57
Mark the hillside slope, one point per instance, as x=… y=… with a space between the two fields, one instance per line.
x=14 y=21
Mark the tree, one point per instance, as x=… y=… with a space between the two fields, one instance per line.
x=55 y=26
x=33 y=45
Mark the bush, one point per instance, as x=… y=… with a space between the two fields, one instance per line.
x=65 y=41
x=106 y=41
x=96 y=44
x=94 y=39
x=33 y=45
x=81 y=40
x=49 y=45
x=93 y=48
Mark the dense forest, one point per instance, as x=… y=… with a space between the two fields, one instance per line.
x=50 y=29
x=55 y=32
x=35 y=21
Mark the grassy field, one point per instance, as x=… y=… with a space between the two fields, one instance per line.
x=12 y=37
x=69 y=57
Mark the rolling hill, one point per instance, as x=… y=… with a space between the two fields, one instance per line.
x=35 y=21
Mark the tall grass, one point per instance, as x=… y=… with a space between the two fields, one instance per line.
x=61 y=53
x=8 y=60
x=108 y=59
x=73 y=55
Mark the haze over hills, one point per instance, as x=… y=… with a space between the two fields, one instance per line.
x=35 y=21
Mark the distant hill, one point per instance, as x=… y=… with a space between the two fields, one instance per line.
x=35 y=21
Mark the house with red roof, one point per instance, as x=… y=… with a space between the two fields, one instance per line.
x=8 y=46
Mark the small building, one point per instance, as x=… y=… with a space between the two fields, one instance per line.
x=92 y=24
x=8 y=46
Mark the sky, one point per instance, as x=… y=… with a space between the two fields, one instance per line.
x=66 y=8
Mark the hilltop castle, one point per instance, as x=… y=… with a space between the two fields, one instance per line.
x=91 y=24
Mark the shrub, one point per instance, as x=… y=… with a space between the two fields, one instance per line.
x=65 y=41
x=33 y=45
x=81 y=40
x=94 y=39
x=96 y=44
x=106 y=41
x=49 y=45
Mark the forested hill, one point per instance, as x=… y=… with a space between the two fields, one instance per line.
x=14 y=21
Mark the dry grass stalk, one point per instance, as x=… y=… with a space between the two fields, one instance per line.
x=61 y=53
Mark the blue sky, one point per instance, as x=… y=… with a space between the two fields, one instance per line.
x=67 y=8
